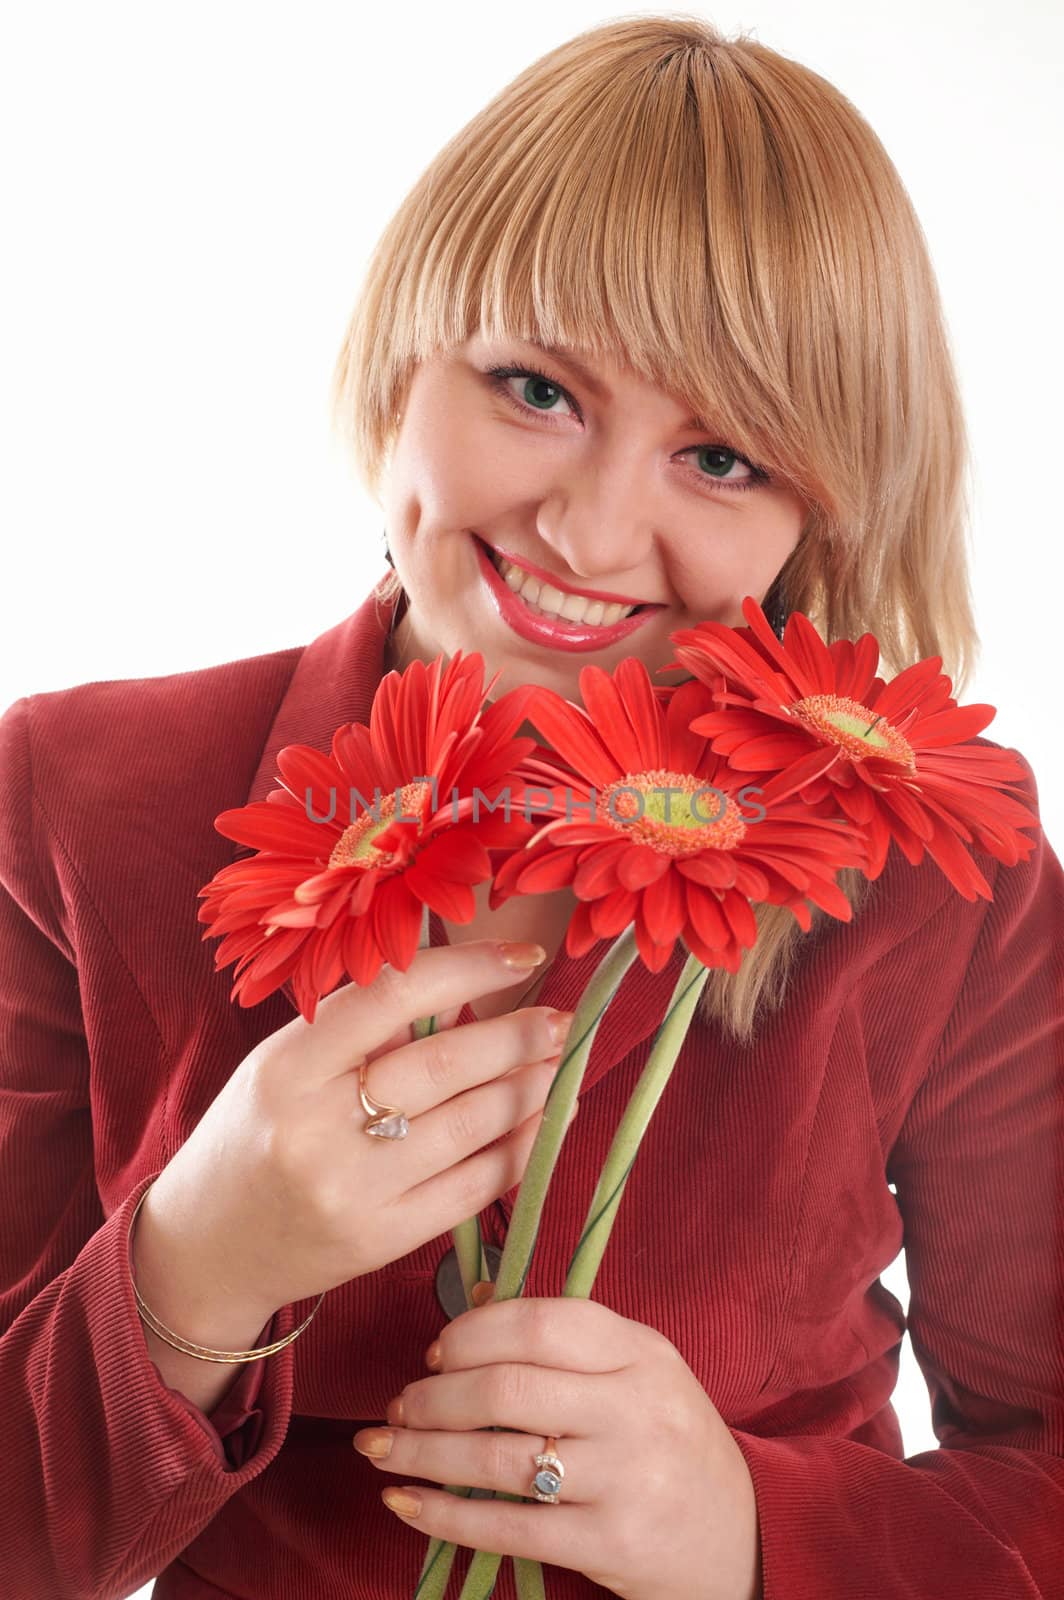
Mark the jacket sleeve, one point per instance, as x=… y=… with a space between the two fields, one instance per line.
x=979 y=1172
x=106 y=1473
x=234 y=1427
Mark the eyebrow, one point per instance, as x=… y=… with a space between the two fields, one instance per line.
x=599 y=389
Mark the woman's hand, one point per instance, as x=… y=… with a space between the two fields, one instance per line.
x=278 y=1192
x=656 y=1503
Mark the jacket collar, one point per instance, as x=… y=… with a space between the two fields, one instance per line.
x=335 y=679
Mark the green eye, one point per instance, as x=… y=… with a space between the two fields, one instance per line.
x=718 y=450
x=501 y=377
x=534 y=382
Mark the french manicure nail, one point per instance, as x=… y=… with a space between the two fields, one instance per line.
x=520 y=956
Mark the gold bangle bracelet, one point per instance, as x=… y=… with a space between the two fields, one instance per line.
x=202 y=1352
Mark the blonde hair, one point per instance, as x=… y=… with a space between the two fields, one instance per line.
x=722 y=220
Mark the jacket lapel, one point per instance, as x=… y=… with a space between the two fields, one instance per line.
x=334 y=682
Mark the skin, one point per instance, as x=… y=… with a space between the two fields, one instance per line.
x=656 y=1502
x=614 y=494
x=616 y=498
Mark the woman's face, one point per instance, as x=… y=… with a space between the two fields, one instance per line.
x=594 y=484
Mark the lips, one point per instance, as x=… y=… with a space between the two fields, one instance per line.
x=609 y=599
x=539 y=628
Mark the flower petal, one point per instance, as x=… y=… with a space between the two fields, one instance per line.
x=552 y=870
x=664 y=908
x=613 y=912
x=597 y=871
x=607 y=710
x=397 y=919
x=641 y=865
x=704 y=912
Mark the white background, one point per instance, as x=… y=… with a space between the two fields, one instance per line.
x=190 y=194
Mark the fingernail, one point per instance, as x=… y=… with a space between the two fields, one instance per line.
x=433 y=1357
x=374 y=1441
x=482 y=1293
x=401 y=1500
x=521 y=956
x=559 y=1023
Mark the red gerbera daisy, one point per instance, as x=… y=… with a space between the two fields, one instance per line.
x=342 y=877
x=890 y=755
x=659 y=848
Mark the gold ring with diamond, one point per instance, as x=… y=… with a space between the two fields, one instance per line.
x=385 y=1122
x=548 y=1480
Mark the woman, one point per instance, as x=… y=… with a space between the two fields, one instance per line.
x=749 y=391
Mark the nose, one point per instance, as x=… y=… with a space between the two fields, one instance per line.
x=601 y=528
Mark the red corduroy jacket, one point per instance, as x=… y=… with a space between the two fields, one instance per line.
x=910 y=1093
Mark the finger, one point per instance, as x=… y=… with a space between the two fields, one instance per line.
x=355 y=1018
x=503 y=1461
x=556 y=1534
x=564 y=1332
x=441 y=1142
x=424 y=1074
x=401 y=1036
x=448 y=1017
x=516 y=1395
x=405 y=1033
x=459 y=1189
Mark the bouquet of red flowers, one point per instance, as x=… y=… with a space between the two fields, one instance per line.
x=836 y=761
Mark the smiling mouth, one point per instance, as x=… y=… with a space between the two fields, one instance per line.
x=548 y=601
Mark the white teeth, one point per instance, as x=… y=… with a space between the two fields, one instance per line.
x=552 y=602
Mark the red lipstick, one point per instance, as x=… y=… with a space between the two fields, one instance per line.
x=556 y=633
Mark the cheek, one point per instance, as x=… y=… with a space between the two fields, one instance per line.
x=713 y=571
x=446 y=479
x=738 y=553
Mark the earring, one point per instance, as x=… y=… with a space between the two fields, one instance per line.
x=387 y=552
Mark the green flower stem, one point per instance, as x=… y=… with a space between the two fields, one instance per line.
x=440 y=1556
x=664 y=1052
x=528 y=1576
x=523 y=1230
x=528 y=1208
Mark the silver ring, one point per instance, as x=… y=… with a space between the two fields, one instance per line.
x=548 y=1480
x=385 y=1122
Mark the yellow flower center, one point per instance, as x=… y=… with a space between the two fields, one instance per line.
x=859 y=732
x=355 y=846
x=673 y=812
